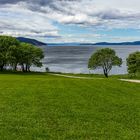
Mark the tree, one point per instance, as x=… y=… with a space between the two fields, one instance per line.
x=30 y=55
x=105 y=59
x=14 y=53
x=133 y=63
x=14 y=56
x=5 y=43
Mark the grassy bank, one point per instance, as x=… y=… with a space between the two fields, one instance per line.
x=123 y=76
x=41 y=106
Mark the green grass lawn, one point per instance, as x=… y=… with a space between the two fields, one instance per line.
x=44 y=107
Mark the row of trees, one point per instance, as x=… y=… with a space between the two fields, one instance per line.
x=107 y=58
x=14 y=53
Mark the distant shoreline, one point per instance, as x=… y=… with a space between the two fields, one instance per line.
x=65 y=45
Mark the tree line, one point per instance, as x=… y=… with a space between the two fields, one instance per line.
x=14 y=53
x=107 y=58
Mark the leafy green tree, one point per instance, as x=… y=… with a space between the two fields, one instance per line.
x=14 y=56
x=105 y=59
x=5 y=43
x=133 y=63
x=37 y=56
x=14 y=53
x=30 y=55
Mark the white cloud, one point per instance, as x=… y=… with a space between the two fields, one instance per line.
x=34 y=17
x=22 y=22
x=118 y=13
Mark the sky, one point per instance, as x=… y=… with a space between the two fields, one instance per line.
x=61 y=21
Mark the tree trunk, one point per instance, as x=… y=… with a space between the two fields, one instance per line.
x=15 y=67
x=22 y=66
x=1 y=67
x=105 y=73
x=26 y=68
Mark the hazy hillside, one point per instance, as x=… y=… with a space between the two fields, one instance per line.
x=31 y=41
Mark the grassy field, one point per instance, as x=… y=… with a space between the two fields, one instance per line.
x=45 y=107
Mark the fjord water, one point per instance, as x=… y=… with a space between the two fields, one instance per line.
x=74 y=59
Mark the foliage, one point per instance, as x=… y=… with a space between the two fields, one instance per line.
x=133 y=63
x=5 y=43
x=14 y=53
x=105 y=59
x=30 y=55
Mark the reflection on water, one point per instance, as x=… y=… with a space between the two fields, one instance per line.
x=74 y=59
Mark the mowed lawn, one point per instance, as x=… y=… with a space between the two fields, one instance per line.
x=44 y=107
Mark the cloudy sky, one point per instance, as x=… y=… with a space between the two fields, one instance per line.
x=71 y=20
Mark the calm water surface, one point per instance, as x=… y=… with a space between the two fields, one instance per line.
x=74 y=59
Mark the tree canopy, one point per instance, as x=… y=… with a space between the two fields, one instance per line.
x=5 y=43
x=105 y=59
x=14 y=53
x=133 y=63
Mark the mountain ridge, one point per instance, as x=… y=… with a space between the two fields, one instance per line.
x=99 y=43
x=39 y=43
x=120 y=43
x=31 y=41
